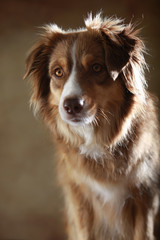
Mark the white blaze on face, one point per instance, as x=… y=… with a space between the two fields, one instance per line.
x=71 y=88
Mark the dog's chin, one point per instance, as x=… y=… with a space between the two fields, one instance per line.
x=77 y=121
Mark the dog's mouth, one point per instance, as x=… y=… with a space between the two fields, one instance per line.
x=76 y=120
x=82 y=120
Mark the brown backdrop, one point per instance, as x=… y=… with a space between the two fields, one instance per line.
x=30 y=200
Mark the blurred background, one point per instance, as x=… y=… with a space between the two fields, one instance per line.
x=31 y=205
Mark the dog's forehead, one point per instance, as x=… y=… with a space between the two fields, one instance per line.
x=89 y=42
x=85 y=42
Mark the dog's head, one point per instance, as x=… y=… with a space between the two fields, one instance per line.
x=84 y=74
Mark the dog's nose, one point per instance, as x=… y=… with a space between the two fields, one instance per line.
x=73 y=105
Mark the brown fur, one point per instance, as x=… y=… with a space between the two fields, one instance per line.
x=125 y=129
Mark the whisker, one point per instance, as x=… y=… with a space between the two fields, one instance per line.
x=104 y=115
x=96 y=121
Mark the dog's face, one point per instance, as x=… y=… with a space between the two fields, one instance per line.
x=80 y=83
x=83 y=75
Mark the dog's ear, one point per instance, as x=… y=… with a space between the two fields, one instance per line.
x=124 y=57
x=34 y=58
x=37 y=66
x=119 y=48
x=37 y=69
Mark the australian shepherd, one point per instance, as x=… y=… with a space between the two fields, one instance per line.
x=90 y=89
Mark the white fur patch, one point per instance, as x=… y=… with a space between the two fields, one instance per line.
x=53 y=28
x=94 y=151
x=50 y=28
x=110 y=193
x=93 y=22
x=71 y=87
x=112 y=25
x=90 y=148
x=112 y=196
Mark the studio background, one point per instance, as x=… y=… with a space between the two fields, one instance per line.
x=31 y=206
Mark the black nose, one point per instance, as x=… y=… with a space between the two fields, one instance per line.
x=73 y=105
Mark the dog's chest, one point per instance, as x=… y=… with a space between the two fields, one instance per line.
x=108 y=201
x=107 y=193
x=108 y=196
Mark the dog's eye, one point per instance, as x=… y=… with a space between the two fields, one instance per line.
x=97 y=67
x=58 y=72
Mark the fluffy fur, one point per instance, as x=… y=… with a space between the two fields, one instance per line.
x=108 y=142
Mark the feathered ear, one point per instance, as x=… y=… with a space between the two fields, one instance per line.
x=37 y=69
x=119 y=49
x=37 y=65
x=124 y=56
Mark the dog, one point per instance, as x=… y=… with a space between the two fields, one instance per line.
x=89 y=87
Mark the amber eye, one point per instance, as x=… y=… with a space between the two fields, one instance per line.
x=58 y=72
x=97 y=67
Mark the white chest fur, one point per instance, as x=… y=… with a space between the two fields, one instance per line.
x=111 y=194
x=90 y=148
x=108 y=202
